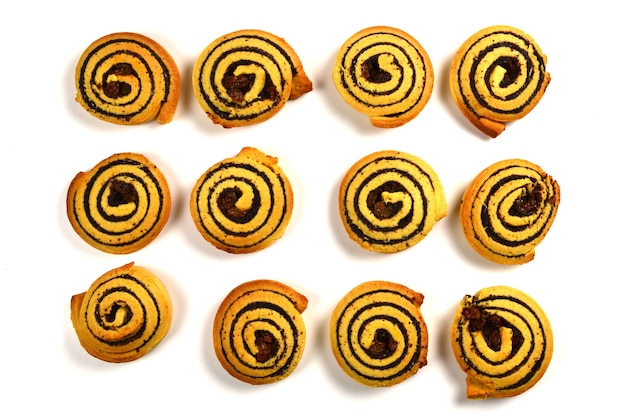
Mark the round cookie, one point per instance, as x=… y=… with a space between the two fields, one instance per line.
x=508 y=209
x=242 y=204
x=258 y=332
x=378 y=335
x=502 y=340
x=246 y=77
x=120 y=205
x=384 y=73
x=127 y=79
x=123 y=315
x=390 y=200
x=497 y=76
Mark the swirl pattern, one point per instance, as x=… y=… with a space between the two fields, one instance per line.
x=378 y=335
x=384 y=73
x=242 y=204
x=259 y=334
x=390 y=200
x=498 y=75
x=123 y=315
x=502 y=339
x=121 y=205
x=508 y=209
x=128 y=79
x=246 y=77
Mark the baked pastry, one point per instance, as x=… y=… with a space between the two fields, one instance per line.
x=508 y=209
x=378 y=335
x=258 y=333
x=502 y=340
x=246 y=77
x=128 y=79
x=123 y=315
x=120 y=205
x=497 y=76
x=242 y=204
x=390 y=200
x=384 y=73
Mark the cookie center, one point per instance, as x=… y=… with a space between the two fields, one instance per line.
x=246 y=82
x=266 y=345
x=529 y=203
x=512 y=70
x=490 y=325
x=383 y=345
x=122 y=193
x=238 y=206
x=114 y=85
x=381 y=201
x=117 y=315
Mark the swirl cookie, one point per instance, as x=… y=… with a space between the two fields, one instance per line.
x=497 y=76
x=508 y=209
x=123 y=315
x=502 y=340
x=242 y=204
x=378 y=335
x=127 y=79
x=385 y=74
x=390 y=200
x=258 y=333
x=246 y=77
x=120 y=205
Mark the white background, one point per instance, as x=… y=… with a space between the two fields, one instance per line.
x=575 y=134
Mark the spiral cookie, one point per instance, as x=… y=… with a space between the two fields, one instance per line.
x=246 y=77
x=384 y=73
x=390 y=200
x=242 y=204
x=508 y=209
x=378 y=335
x=123 y=315
x=120 y=205
x=497 y=76
x=502 y=340
x=258 y=333
x=127 y=79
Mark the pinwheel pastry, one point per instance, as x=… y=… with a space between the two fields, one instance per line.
x=242 y=204
x=258 y=332
x=502 y=340
x=246 y=77
x=123 y=315
x=384 y=73
x=508 y=209
x=497 y=76
x=378 y=335
x=128 y=79
x=390 y=200
x=120 y=205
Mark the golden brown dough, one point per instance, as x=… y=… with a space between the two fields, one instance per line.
x=127 y=79
x=497 y=76
x=258 y=332
x=123 y=315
